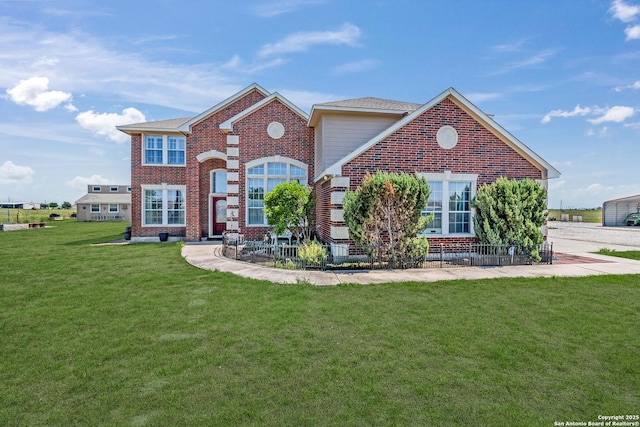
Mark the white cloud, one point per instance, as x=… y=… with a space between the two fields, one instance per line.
x=283 y=6
x=104 y=124
x=34 y=93
x=356 y=67
x=624 y=12
x=536 y=59
x=635 y=85
x=348 y=34
x=561 y=113
x=82 y=63
x=615 y=114
x=632 y=33
x=80 y=183
x=11 y=173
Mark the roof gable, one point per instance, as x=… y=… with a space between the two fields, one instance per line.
x=186 y=127
x=360 y=106
x=467 y=106
x=227 y=126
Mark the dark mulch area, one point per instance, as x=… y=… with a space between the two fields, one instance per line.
x=560 y=258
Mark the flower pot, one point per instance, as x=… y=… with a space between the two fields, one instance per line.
x=163 y=237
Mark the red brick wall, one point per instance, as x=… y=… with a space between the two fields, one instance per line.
x=255 y=143
x=206 y=136
x=149 y=175
x=414 y=148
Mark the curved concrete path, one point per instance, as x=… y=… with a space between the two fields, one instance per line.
x=568 y=238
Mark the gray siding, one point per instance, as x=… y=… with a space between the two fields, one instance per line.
x=341 y=134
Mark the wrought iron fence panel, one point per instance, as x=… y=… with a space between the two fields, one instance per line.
x=365 y=258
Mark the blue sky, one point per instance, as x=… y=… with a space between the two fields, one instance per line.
x=563 y=76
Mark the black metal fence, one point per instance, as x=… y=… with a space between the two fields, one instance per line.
x=338 y=257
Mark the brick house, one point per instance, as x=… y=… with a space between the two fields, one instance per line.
x=198 y=177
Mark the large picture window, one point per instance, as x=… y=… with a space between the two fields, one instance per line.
x=164 y=150
x=262 y=176
x=450 y=203
x=164 y=206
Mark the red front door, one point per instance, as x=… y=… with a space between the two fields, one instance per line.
x=219 y=215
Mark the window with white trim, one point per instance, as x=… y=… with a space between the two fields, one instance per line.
x=450 y=203
x=113 y=208
x=164 y=206
x=95 y=208
x=262 y=176
x=219 y=182
x=164 y=150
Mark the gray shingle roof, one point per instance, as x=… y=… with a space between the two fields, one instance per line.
x=170 y=124
x=120 y=198
x=373 y=103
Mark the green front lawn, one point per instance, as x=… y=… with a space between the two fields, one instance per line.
x=132 y=335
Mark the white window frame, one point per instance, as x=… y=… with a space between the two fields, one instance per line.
x=113 y=189
x=446 y=178
x=114 y=205
x=165 y=204
x=165 y=150
x=94 y=205
x=96 y=189
x=212 y=175
x=265 y=177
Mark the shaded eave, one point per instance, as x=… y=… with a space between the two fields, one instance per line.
x=466 y=105
x=170 y=125
x=350 y=106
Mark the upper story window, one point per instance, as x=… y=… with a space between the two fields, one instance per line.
x=164 y=150
x=113 y=189
x=96 y=189
x=450 y=203
x=262 y=176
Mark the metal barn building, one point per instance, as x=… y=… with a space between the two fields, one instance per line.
x=615 y=211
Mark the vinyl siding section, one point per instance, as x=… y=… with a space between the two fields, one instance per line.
x=338 y=135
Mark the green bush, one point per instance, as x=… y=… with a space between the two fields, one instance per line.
x=511 y=212
x=312 y=253
x=385 y=212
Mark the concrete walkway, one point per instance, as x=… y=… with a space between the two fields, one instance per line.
x=578 y=240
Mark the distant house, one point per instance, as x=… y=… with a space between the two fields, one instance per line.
x=19 y=205
x=105 y=203
x=200 y=177
x=615 y=211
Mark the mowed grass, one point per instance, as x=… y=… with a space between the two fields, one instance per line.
x=588 y=215
x=635 y=255
x=132 y=335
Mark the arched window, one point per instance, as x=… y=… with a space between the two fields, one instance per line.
x=262 y=176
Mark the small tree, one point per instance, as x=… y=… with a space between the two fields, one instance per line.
x=385 y=212
x=511 y=212
x=290 y=206
x=53 y=205
x=66 y=205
